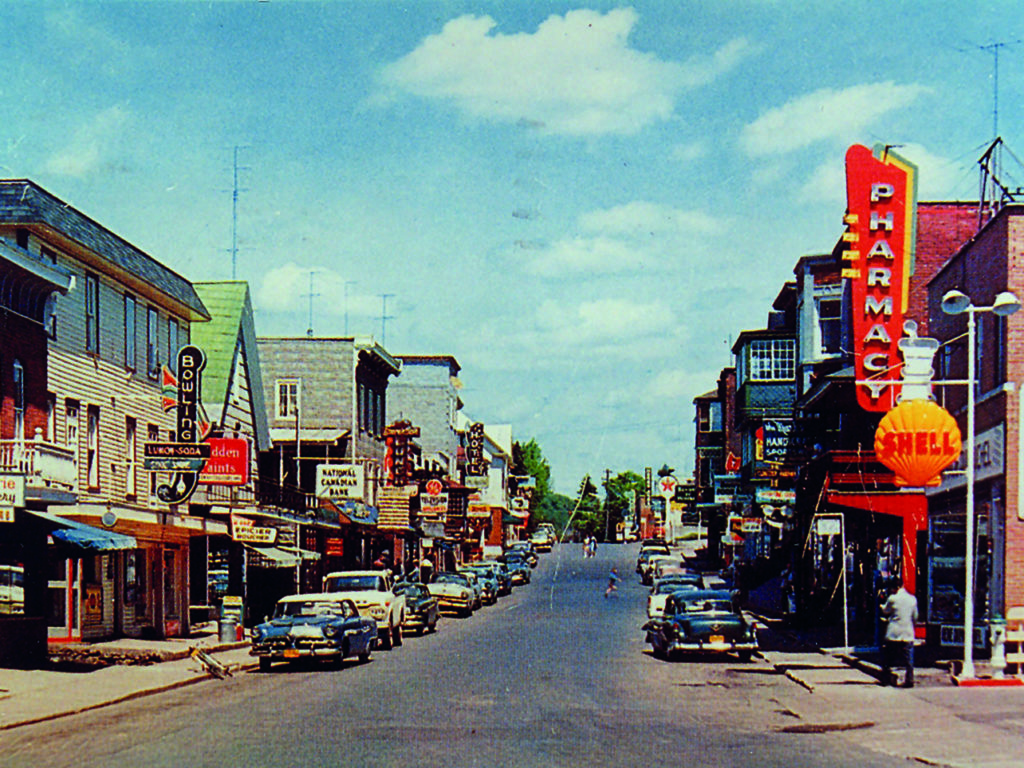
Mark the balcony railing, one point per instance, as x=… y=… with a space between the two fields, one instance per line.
x=43 y=464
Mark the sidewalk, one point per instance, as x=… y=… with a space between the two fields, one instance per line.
x=936 y=723
x=146 y=667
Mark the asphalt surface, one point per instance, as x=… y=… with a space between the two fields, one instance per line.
x=555 y=675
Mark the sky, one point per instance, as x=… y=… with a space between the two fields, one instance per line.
x=584 y=204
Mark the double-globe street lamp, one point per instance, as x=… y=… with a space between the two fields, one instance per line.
x=956 y=302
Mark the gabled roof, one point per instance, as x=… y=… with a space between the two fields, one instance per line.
x=23 y=202
x=231 y=320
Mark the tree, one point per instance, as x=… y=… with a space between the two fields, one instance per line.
x=528 y=460
x=619 y=494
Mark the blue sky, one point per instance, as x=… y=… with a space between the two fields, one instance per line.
x=584 y=204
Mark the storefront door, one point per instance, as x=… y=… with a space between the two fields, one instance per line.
x=64 y=621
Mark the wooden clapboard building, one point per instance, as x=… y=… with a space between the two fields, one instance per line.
x=126 y=316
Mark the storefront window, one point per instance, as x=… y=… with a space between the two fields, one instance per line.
x=12 y=588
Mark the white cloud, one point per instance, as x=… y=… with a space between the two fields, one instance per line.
x=603 y=321
x=91 y=145
x=681 y=383
x=576 y=75
x=626 y=238
x=688 y=153
x=825 y=114
x=937 y=177
x=287 y=288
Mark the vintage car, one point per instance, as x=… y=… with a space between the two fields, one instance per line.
x=313 y=626
x=487 y=578
x=453 y=592
x=647 y=552
x=648 y=569
x=421 y=608
x=373 y=592
x=501 y=570
x=476 y=585
x=518 y=568
x=665 y=587
x=542 y=540
x=704 y=620
x=526 y=549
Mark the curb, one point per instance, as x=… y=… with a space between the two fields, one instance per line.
x=203 y=676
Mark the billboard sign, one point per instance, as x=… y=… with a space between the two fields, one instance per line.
x=341 y=481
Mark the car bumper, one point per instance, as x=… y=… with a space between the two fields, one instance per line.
x=454 y=603
x=302 y=652
x=725 y=646
x=415 y=621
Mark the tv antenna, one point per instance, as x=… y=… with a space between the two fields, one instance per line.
x=994 y=48
x=311 y=295
x=384 y=317
x=234 y=208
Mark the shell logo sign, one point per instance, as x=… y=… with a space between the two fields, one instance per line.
x=917 y=440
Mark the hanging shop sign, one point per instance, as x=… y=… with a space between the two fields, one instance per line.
x=228 y=463
x=917 y=440
x=397 y=456
x=12 y=494
x=434 y=505
x=245 y=530
x=475 y=463
x=341 y=482
x=774 y=496
x=772 y=440
x=187 y=457
x=881 y=193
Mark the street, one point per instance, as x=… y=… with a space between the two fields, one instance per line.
x=555 y=675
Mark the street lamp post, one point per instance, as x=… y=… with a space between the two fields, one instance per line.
x=956 y=302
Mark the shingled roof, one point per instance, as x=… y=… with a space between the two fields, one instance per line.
x=24 y=203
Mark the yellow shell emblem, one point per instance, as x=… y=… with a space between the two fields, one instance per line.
x=917 y=440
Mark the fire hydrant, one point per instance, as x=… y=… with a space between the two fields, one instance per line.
x=997 y=636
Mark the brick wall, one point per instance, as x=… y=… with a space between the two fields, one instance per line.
x=942 y=228
x=24 y=341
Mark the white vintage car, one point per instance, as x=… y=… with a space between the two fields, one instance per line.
x=454 y=593
x=374 y=594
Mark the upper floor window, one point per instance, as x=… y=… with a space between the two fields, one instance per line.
x=172 y=344
x=19 y=401
x=92 y=313
x=152 y=350
x=129 y=332
x=92 y=448
x=830 y=325
x=772 y=359
x=287 y=405
x=709 y=417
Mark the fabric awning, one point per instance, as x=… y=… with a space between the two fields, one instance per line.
x=85 y=538
x=274 y=557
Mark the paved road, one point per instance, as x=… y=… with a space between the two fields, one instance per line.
x=555 y=675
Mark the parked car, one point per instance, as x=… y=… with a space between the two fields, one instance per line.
x=373 y=592
x=504 y=576
x=649 y=552
x=421 y=609
x=704 y=620
x=667 y=586
x=317 y=625
x=453 y=592
x=476 y=585
x=526 y=549
x=542 y=540
x=487 y=577
x=647 y=571
x=518 y=567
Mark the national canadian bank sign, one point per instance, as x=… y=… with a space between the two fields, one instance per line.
x=881 y=219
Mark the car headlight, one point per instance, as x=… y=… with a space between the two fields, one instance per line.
x=257 y=635
x=331 y=630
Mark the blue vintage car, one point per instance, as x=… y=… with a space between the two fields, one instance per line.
x=320 y=625
x=701 y=620
x=421 y=608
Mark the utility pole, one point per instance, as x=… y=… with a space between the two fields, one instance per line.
x=607 y=496
x=384 y=317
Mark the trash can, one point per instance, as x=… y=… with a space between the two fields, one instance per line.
x=226 y=630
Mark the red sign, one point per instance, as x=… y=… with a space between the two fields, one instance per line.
x=228 y=463
x=917 y=440
x=334 y=547
x=434 y=487
x=881 y=194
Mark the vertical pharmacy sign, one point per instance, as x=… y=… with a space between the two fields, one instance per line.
x=878 y=260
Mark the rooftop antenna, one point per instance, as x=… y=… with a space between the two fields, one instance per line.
x=311 y=295
x=994 y=48
x=384 y=317
x=347 y=284
x=234 y=209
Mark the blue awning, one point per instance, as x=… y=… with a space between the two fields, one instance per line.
x=88 y=538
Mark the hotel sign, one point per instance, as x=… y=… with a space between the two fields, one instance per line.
x=878 y=259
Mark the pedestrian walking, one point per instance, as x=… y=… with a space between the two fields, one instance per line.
x=593 y=545
x=613 y=579
x=900 y=614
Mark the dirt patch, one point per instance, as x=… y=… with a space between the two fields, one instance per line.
x=824 y=727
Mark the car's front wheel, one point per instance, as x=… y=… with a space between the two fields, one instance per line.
x=384 y=638
x=396 y=635
x=264 y=664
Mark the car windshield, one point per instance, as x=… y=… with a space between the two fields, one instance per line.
x=709 y=606
x=351 y=583
x=664 y=587
x=451 y=578
x=409 y=590
x=295 y=608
